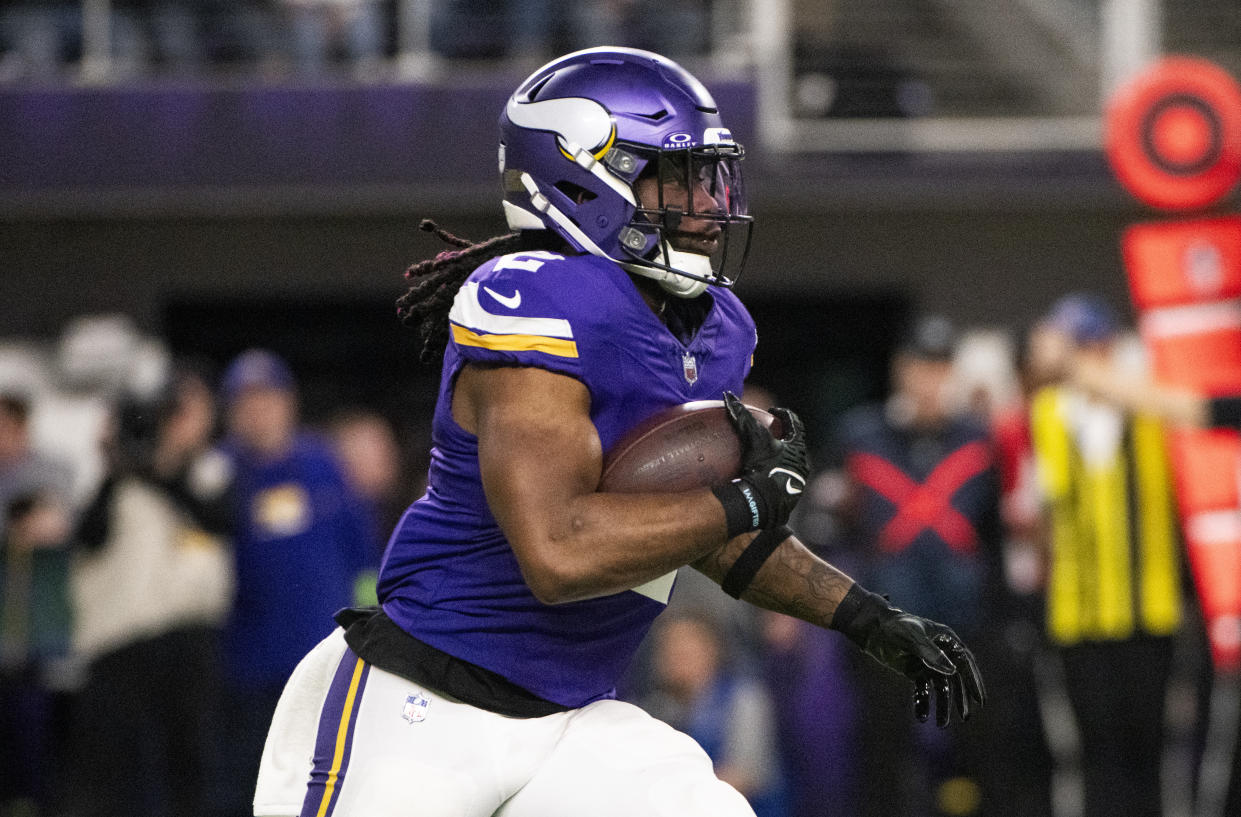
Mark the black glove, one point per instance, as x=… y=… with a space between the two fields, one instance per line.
x=929 y=654
x=773 y=471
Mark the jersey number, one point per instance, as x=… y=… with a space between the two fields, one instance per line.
x=528 y=261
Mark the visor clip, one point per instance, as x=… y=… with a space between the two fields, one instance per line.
x=633 y=238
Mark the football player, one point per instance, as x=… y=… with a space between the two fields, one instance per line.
x=513 y=593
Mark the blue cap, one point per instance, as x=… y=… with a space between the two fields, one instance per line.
x=1084 y=317
x=256 y=369
x=931 y=337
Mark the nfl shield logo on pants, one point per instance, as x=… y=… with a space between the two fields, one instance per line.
x=415 y=709
x=690 y=367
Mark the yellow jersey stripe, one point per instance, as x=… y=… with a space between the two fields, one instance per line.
x=560 y=347
x=342 y=734
x=1114 y=546
x=1160 y=545
x=1114 y=585
x=1056 y=465
x=1064 y=618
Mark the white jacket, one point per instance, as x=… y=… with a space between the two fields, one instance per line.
x=156 y=571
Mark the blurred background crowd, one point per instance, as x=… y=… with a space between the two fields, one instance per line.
x=179 y=530
x=314 y=38
x=210 y=419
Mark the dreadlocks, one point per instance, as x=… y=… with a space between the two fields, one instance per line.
x=435 y=281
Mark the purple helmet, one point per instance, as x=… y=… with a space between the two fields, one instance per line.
x=581 y=132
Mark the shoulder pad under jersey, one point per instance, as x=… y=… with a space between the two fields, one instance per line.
x=523 y=309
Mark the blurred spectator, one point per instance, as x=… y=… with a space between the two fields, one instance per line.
x=532 y=31
x=810 y=674
x=370 y=456
x=39 y=39
x=34 y=613
x=175 y=30
x=528 y=31
x=227 y=35
x=302 y=539
x=151 y=589
x=1020 y=754
x=678 y=29
x=1114 y=594
x=319 y=29
x=984 y=374
x=1040 y=363
x=729 y=714
x=96 y=359
x=924 y=518
x=42 y=38
x=1184 y=408
x=535 y=26
x=24 y=472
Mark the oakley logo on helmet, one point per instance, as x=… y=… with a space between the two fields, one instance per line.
x=680 y=139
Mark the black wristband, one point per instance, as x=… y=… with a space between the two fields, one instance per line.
x=743 y=507
x=1225 y=411
x=743 y=571
x=858 y=613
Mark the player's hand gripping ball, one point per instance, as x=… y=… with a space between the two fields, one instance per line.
x=755 y=459
x=773 y=469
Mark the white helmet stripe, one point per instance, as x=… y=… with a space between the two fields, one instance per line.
x=573 y=119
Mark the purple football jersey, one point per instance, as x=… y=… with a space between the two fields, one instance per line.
x=449 y=577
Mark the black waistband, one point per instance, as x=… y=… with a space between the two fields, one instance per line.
x=379 y=641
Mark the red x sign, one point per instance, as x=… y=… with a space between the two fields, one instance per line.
x=927 y=504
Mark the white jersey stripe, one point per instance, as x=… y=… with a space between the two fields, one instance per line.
x=468 y=312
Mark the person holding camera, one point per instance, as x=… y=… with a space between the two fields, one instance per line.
x=152 y=585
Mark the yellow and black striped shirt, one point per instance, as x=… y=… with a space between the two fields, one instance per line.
x=1115 y=559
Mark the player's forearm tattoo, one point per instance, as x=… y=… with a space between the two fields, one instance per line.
x=793 y=581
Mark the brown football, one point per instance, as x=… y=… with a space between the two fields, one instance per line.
x=692 y=445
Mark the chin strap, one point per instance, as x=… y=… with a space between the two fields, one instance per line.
x=679 y=285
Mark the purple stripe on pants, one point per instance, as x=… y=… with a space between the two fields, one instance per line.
x=335 y=740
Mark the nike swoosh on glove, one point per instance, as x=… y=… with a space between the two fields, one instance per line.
x=773 y=470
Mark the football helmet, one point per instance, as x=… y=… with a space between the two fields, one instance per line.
x=624 y=154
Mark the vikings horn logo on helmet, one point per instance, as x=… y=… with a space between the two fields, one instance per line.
x=581 y=131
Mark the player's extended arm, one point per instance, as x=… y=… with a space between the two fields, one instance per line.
x=792 y=581
x=541 y=460
x=773 y=570
x=1175 y=405
x=795 y=582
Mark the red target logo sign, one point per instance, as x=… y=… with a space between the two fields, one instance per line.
x=1173 y=134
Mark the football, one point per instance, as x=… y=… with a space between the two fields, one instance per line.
x=692 y=445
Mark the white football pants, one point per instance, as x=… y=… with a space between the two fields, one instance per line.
x=350 y=740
